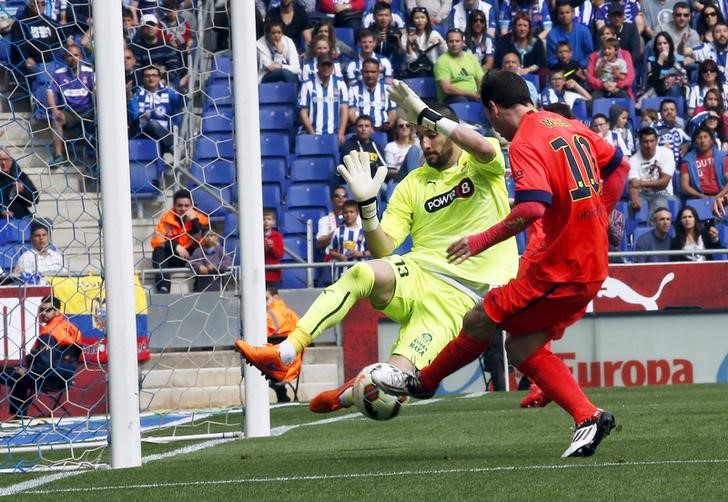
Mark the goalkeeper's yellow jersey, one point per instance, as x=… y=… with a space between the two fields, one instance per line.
x=438 y=207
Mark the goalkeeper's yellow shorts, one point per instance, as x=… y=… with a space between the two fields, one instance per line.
x=429 y=311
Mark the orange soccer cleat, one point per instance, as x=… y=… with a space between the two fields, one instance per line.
x=535 y=398
x=328 y=400
x=265 y=358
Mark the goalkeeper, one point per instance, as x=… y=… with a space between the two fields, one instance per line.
x=459 y=190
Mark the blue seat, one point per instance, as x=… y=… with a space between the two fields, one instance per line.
x=654 y=104
x=276 y=117
x=579 y=110
x=424 y=87
x=219 y=96
x=405 y=247
x=207 y=148
x=603 y=105
x=521 y=241
x=297 y=245
x=346 y=35
x=217 y=172
x=230 y=226
x=217 y=124
x=277 y=93
x=723 y=235
x=317 y=145
x=294 y=220
x=15 y=230
x=380 y=138
x=442 y=30
x=641 y=217
x=272 y=196
x=472 y=111
x=9 y=255
x=211 y=206
x=143 y=150
x=274 y=171
x=534 y=80
x=321 y=169
x=274 y=145
x=314 y=195
x=704 y=207
x=294 y=278
x=144 y=180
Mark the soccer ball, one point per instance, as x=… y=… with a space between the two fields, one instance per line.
x=371 y=400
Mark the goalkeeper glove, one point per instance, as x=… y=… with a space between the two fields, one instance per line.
x=363 y=187
x=414 y=110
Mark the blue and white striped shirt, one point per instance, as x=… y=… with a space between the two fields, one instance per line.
x=353 y=71
x=324 y=103
x=374 y=103
x=347 y=239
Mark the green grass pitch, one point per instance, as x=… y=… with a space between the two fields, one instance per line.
x=672 y=444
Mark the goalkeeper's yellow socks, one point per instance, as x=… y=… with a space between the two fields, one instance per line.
x=329 y=309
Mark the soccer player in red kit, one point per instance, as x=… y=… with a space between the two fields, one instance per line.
x=568 y=179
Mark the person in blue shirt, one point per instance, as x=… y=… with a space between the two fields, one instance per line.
x=154 y=106
x=70 y=101
x=577 y=35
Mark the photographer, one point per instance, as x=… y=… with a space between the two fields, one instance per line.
x=692 y=234
x=386 y=34
x=176 y=235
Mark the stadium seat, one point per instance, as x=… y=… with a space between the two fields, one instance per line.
x=275 y=171
x=15 y=230
x=276 y=118
x=219 y=96
x=317 y=145
x=142 y=150
x=272 y=197
x=654 y=104
x=602 y=106
x=207 y=148
x=471 y=111
x=210 y=205
x=380 y=138
x=217 y=172
x=294 y=278
x=521 y=242
x=346 y=35
x=704 y=207
x=144 y=180
x=723 y=233
x=9 y=254
x=230 y=226
x=297 y=245
x=321 y=169
x=294 y=221
x=424 y=87
x=533 y=78
x=275 y=145
x=641 y=217
x=442 y=30
x=277 y=93
x=579 y=110
x=218 y=123
x=311 y=195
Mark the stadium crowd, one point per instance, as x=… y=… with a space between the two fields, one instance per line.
x=648 y=76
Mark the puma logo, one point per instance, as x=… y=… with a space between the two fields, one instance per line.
x=614 y=288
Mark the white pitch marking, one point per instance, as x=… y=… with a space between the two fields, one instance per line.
x=357 y=475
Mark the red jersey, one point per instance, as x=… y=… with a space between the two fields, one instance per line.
x=561 y=163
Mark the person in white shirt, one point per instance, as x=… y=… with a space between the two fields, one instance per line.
x=650 y=173
x=600 y=125
x=278 y=59
x=42 y=259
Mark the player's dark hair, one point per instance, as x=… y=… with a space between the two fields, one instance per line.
x=505 y=89
x=647 y=131
x=182 y=193
x=561 y=109
x=443 y=110
x=53 y=300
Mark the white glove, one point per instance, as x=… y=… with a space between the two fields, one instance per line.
x=414 y=110
x=363 y=187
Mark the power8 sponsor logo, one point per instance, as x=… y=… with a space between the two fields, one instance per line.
x=462 y=190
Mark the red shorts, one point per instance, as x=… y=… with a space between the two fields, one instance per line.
x=526 y=305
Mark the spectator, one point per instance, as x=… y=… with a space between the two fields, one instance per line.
x=396 y=151
x=320 y=45
x=41 y=259
x=140 y=8
x=717 y=50
x=154 y=106
x=619 y=123
x=537 y=12
x=632 y=14
x=627 y=34
x=439 y=10
x=129 y=25
x=209 y=261
x=711 y=120
x=462 y=11
x=348 y=243
x=458 y=73
x=692 y=235
x=386 y=34
x=714 y=101
x=323 y=102
x=615 y=233
x=422 y=45
x=272 y=247
x=338 y=48
x=296 y=23
x=608 y=33
x=562 y=90
x=71 y=103
x=278 y=59
x=682 y=36
x=176 y=236
x=650 y=173
x=150 y=49
x=600 y=125
x=648 y=117
x=176 y=31
x=708 y=78
x=512 y=63
x=670 y=130
x=478 y=41
x=608 y=72
x=282 y=321
x=576 y=35
x=655 y=13
x=18 y=194
x=367 y=46
x=703 y=170
x=368 y=18
x=35 y=39
x=52 y=361
x=130 y=73
x=522 y=41
x=708 y=18
x=656 y=240
x=369 y=97
x=347 y=13
x=327 y=224
x=665 y=73
x=571 y=69
x=362 y=142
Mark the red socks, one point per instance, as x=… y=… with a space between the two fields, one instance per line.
x=554 y=378
x=456 y=354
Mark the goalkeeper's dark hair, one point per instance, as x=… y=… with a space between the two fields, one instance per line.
x=504 y=88
x=443 y=110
